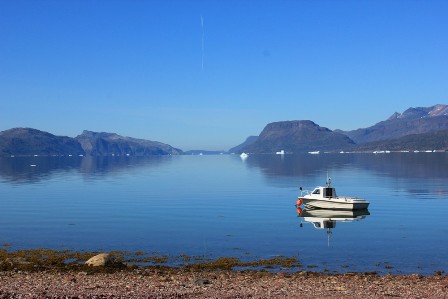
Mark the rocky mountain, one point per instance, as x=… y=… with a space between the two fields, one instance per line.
x=27 y=141
x=237 y=149
x=422 y=142
x=106 y=144
x=297 y=137
x=412 y=121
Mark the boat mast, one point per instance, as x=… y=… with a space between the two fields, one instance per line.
x=328 y=180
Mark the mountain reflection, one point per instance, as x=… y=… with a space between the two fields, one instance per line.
x=404 y=165
x=35 y=169
x=298 y=165
x=111 y=165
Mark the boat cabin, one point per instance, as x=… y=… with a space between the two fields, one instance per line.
x=325 y=192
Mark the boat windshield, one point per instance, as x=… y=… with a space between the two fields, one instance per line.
x=316 y=191
x=329 y=192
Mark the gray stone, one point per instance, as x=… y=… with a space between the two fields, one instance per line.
x=102 y=259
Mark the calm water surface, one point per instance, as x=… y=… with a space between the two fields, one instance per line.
x=213 y=206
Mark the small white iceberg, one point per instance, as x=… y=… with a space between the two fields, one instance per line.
x=244 y=156
x=282 y=152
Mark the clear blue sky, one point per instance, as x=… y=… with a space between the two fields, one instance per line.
x=153 y=70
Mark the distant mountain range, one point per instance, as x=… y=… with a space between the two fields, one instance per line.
x=296 y=137
x=421 y=128
x=437 y=140
x=27 y=141
x=102 y=144
x=413 y=121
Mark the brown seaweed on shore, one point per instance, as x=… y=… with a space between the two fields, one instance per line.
x=63 y=260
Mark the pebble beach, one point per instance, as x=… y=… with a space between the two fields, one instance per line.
x=181 y=283
x=47 y=274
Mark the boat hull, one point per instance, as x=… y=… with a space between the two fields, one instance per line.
x=334 y=204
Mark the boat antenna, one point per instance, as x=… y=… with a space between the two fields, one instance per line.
x=328 y=180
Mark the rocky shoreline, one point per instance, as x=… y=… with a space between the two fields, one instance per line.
x=150 y=282
x=64 y=274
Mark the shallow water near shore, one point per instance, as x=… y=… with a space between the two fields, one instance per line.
x=215 y=206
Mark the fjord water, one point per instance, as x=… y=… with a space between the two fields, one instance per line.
x=214 y=206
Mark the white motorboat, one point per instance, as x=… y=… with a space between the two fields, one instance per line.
x=326 y=198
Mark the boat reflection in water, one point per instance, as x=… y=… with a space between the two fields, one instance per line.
x=327 y=218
